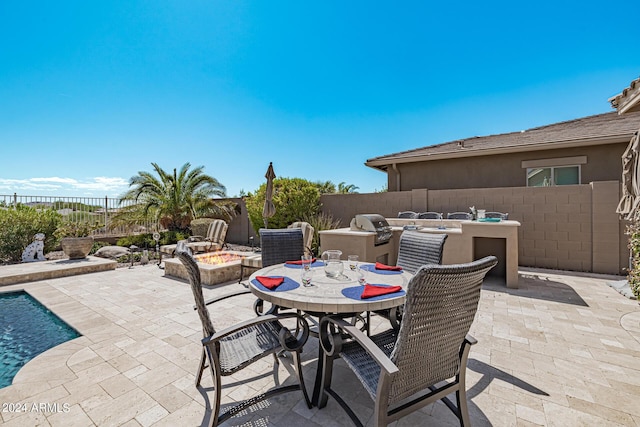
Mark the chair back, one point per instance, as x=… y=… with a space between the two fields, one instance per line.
x=307 y=235
x=502 y=216
x=459 y=215
x=440 y=306
x=417 y=249
x=280 y=245
x=186 y=258
x=217 y=231
x=429 y=215
x=408 y=214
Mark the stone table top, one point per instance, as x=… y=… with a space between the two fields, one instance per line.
x=325 y=293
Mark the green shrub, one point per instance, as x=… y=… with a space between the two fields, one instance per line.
x=200 y=226
x=98 y=245
x=76 y=229
x=146 y=240
x=293 y=198
x=18 y=226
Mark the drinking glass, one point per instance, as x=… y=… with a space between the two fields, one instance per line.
x=353 y=262
x=360 y=275
x=306 y=262
x=306 y=277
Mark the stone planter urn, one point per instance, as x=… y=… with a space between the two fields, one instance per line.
x=77 y=247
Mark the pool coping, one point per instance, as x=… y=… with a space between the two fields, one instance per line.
x=43 y=270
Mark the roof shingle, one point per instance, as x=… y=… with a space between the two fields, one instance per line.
x=592 y=128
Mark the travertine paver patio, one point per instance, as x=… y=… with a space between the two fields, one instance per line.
x=561 y=350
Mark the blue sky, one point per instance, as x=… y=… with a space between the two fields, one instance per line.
x=93 y=92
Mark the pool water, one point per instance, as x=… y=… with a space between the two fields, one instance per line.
x=27 y=328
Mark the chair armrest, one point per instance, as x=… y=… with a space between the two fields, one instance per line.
x=223 y=297
x=267 y=318
x=195 y=239
x=470 y=340
x=332 y=343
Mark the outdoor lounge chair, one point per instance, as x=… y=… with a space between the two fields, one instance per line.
x=429 y=215
x=213 y=241
x=307 y=235
x=234 y=348
x=459 y=215
x=415 y=250
x=408 y=214
x=426 y=359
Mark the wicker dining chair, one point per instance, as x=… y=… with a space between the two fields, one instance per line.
x=408 y=214
x=415 y=249
x=236 y=347
x=277 y=245
x=429 y=215
x=459 y=215
x=280 y=245
x=502 y=216
x=426 y=359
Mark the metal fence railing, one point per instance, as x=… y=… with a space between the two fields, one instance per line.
x=94 y=210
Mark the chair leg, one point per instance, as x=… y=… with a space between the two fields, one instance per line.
x=461 y=379
x=217 y=384
x=241 y=273
x=203 y=362
x=463 y=408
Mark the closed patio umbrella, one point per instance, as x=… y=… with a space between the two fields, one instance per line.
x=269 y=209
x=630 y=201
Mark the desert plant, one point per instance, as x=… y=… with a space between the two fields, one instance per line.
x=173 y=200
x=293 y=198
x=319 y=222
x=76 y=229
x=18 y=226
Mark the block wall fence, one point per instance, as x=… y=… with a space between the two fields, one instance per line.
x=572 y=227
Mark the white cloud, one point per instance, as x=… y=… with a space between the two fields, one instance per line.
x=54 y=179
x=69 y=187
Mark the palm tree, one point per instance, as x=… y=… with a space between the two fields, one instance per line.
x=344 y=188
x=173 y=200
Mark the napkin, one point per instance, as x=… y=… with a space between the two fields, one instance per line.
x=300 y=262
x=380 y=266
x=270 y=282
x=371 y=291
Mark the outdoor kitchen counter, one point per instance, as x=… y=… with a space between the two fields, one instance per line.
x=466 y=241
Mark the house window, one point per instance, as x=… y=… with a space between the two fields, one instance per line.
x=556 y=175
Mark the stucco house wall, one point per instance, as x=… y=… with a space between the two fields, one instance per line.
x=603 y=163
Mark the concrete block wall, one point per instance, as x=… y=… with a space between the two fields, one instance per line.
x=345 y=206
x=572 y=227
x=240 y=228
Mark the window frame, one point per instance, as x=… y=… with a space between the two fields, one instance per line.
x=552 y=163
x=553 y=178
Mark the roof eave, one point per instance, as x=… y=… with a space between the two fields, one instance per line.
x=382 y=163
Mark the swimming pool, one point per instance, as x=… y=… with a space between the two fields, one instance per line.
x=27 y=328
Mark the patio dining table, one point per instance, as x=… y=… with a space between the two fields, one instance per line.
x=328 y=295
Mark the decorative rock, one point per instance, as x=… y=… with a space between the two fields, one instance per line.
x=113 y=252
x=34 y=251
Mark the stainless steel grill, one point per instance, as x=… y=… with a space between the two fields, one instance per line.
x=375 y=223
